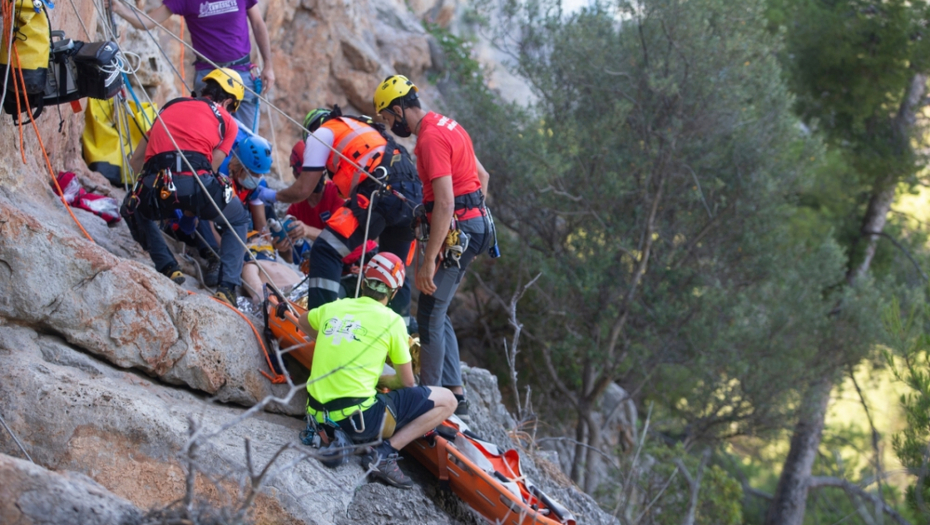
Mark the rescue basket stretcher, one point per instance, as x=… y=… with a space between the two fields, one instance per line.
x=489 y=481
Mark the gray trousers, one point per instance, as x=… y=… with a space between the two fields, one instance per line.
x=248 y=108
x=439 y=348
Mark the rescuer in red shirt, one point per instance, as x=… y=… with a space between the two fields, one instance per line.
x=454 y=186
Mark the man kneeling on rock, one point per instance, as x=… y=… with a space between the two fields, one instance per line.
x=353 y=339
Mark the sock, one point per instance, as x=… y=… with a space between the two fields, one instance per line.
x=459 y=397
x=385 y=449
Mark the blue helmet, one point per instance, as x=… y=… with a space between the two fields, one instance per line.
x=255 y=154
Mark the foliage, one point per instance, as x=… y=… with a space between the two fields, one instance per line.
x=719 y=496
x=909 y=360
x=653 y=184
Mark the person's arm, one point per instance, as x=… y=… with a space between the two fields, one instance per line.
x=226 y=143
x=306 y=328
x=443 y=209
x=138 y=156
x=136 y=20
x=218 y=157
x=302 y=187
x=264 y=46
x=258 y=216
x=402 y=379
x=483 y=176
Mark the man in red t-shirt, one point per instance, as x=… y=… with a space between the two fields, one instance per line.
x=454 y=186
x=204 y=131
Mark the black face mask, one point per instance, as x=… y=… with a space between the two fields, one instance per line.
x=400 y=128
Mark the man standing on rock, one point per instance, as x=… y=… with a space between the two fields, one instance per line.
x=204 y=131
x=219 y=31
x=353 y=339
x=454 y=187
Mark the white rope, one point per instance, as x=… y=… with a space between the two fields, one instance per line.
x=16 y=439
x=361 y=261
x=77 y=15
x=118 y=107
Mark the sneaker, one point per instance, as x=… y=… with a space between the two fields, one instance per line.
x=174 y=273
x=226 y=294
x=462 y=410
x=386 y=469
x=211 y=273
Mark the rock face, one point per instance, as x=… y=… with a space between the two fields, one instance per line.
x=75 y=413
x=33 y=495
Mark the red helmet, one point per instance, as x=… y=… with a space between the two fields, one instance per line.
x=386 y=268
x=297 y=157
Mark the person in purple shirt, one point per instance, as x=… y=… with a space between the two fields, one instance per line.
x=219 y=31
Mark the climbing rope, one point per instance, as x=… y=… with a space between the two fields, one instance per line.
x=361 y=261
x=16 y=439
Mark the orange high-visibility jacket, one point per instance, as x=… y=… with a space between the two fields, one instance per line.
x=357 y=141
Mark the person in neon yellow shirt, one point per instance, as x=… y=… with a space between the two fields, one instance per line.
x=354 y=338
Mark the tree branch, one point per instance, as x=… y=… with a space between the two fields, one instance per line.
x=817 y=482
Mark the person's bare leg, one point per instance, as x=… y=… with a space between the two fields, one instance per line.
x=251 y=277
x=444 y=405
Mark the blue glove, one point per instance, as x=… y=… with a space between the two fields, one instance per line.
x=187 y=224
x=266 y=195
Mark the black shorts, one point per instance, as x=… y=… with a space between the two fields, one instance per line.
x=408 y=404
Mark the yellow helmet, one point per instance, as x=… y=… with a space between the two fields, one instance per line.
x=393 y=88
x=230 y=81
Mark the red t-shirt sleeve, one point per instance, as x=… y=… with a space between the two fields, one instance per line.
x=436 y=156
x=232 y=129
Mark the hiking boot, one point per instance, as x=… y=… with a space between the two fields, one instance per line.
x=174 y=273
x=211 y=273
x=386 y=469
x=226 y=294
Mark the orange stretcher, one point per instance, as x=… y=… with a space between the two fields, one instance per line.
x=489 y=481
x=282 y=324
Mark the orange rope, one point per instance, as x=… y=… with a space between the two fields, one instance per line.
x=278 y=378
x=48 y=162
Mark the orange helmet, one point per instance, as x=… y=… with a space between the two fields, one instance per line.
x=386 y=268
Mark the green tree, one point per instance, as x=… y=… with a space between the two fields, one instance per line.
x=909 y=359
x=859 y=72
x=652 y=183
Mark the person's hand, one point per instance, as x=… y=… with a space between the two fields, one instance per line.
x=283 y=246
x=267 y=78
x=266 y=195
x=425 y=278
x=298 y=230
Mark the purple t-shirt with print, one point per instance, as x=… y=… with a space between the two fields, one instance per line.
x=219 y=28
